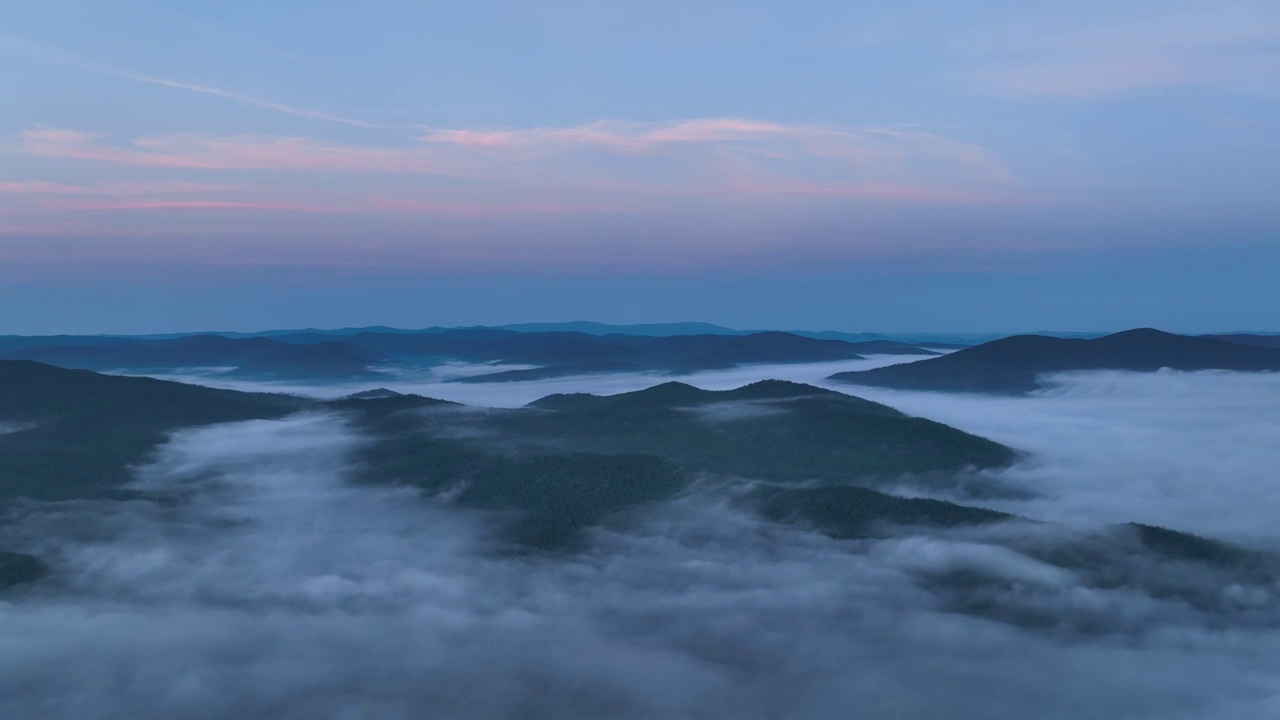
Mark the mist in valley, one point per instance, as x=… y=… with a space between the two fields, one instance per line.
x=251 y=576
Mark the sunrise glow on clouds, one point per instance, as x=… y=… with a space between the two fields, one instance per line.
x=611 y=166
x=720 y=139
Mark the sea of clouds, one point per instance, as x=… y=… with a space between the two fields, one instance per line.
x=256 y=581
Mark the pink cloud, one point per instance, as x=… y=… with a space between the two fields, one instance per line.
x=236 y=152
x=612 y=166
x=894 y=193
x=429 y=207
x=622 y=135
x=489 y=155
x=718 y=129
x=40 y=187
x=676 y=152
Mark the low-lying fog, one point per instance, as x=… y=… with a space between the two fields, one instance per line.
x=435 y=381
x=273 y=588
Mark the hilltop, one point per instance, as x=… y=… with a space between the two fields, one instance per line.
x=593 y=456
x=79 y=434
x=249 y=357
x=366 y=354
x=546 y=473
x=1015 y=364
x=81 y=431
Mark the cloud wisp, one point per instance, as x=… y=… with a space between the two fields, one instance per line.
x=712 y=155
x=47 y=55
x=690 y=178
x=1231 y=46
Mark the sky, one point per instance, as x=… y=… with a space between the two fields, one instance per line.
x=915 y=166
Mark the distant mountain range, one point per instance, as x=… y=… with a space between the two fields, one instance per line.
x=1255 y=339
x=81 y=431
x=793 y=453
x=320 y=356
x=249 y=357
x=563 y=463
x=1016 y=364
x=942 y=340
x=1003 y=365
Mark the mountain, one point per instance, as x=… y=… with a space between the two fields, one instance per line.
x=886 y=347
x=563 y=353
x=849 y=511
x=17 y=343
x=1015 y=364
x=75 y=433
x=1254 y=339
x=650 y=329
x=546 y=473
x=591 y=457
x=79 y=432
x=796 y=454
x=253 y=357
x=548 y=373
x=374 y=394
x=646 y=329
x=19 y=568
x=330 y=355
x=72 y=434
x=336 y=333
x=771 y=430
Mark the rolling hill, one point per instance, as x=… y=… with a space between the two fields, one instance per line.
x=73 y=434
x=334 y=356
x=1015 y=364
x=544 y=473
x=248 y=357
x=594 y=456
x=80 y=431
x=1254 y=339
x=567 y=353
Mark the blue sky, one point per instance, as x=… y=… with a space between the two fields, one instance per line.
x=977 y=166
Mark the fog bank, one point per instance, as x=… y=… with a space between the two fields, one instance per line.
x=260 y=583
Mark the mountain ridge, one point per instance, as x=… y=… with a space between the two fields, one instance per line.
x=1014 y=365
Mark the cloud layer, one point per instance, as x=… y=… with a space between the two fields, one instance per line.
x=699 y=159
x=269 y=587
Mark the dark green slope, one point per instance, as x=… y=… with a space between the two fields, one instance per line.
x=770 y=430
x=848 y=511
x=560 y=353
x=570 y=461
x=649 y=329
x=250 y=357
x=19 y=568
x=1013 y=365
x=548 y=373
x=1254 y=339
x=82 y=431
x=73 y=434
x=342 y=354
x=549 y=497
x=796 y=454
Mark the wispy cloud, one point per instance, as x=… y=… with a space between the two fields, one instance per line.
x=230 y=152
x=1233 y=45
x=47 y=55
x=163 y=187
x=690 y=190
x=717 y=155
x=250 y=100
